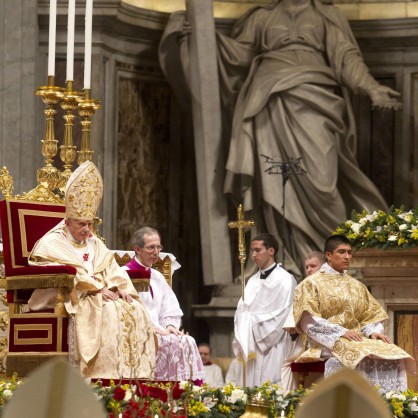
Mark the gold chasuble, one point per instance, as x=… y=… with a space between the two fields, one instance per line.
x=112 y=335
x=344 y=301
x=112 y=339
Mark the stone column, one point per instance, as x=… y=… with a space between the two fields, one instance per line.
x=19 y=142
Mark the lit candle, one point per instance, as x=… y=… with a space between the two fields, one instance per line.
x=87 y=43
x=70 y=39
x=52 y=30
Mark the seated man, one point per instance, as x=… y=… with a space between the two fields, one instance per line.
x=343 y=322
x=213 y=373
x=177 y=355
x=113 y=336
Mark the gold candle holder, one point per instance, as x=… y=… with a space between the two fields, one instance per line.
x=69 y=103
x=49 y=176
x=86 y=109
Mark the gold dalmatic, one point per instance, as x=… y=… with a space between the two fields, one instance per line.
x=344 y=301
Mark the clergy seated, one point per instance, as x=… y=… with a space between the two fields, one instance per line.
x=112 y=336
x=177 y=355
x=342 y=321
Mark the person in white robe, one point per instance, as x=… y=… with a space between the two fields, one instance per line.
x=343 y=323
x=258 y=325
x=213 y=372
x=110 y=332
x=177 y=354
x=235 y=372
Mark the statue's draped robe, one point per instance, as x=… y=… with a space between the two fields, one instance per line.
x=326 y=305
x=178 y=357
x=259 y=337
x=113 y=339
x=283 y=84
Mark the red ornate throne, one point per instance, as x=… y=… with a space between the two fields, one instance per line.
x=33 y=337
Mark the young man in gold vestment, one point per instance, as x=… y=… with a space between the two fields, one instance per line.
x=343 y=322
x=111 y=335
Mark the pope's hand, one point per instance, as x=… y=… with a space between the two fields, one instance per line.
x=108 y=294
x=125 y=296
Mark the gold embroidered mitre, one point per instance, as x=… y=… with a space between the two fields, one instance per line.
x=83 y=192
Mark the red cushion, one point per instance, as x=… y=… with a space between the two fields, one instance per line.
x=37 y=270
x=311 y=367
x=22 y=224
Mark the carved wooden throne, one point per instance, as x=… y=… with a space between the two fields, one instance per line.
x=33 y=337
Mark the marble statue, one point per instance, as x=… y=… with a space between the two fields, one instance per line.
x=285 y=73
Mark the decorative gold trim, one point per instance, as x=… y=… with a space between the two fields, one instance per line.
x=59 y=333
x=164 y=267
x=32 y=327
x=23 y=363
x=40 y=281
x=6 y=183
x=40 y=194
x=141 y=285
x=22 y=225
x=9 y=222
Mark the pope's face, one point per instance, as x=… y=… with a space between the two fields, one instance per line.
x=312 y=265
x=340 y=258
x=263 y=257
x=150 y=252
x=80 y=229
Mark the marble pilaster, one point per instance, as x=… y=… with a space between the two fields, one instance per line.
x=19 y=143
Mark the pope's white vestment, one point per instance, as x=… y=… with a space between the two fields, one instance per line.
x=112 y=339
x=258 y=323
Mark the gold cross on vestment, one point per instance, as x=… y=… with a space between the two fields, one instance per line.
x=240 y=224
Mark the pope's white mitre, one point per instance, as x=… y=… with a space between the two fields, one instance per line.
x=83 y=192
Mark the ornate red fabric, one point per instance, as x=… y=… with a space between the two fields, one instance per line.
x=22 y=224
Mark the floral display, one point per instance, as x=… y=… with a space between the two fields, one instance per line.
x=152 y=400
x=396 y=228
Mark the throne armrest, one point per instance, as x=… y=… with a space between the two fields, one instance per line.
x=35 y=277
x=140 y=279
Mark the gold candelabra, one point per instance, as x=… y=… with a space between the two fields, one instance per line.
x=69 y=102
x=49 y=176
x=86 y=109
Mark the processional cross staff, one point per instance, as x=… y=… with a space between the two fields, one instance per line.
x=241 y=223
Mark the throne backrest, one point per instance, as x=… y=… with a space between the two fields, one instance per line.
x=23 y=223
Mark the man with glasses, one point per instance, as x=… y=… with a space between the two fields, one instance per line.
x=177 y=356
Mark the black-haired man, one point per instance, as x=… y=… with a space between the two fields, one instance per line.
x=343 y=322
x=259 y=337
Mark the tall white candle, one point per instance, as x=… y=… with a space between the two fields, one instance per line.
x=87 y=43
x=70 y=39
x=52 y=32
